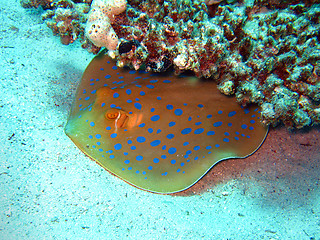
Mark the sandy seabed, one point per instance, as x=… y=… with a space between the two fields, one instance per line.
x=51 y=190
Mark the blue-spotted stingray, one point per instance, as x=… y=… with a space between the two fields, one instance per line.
x=158 y=133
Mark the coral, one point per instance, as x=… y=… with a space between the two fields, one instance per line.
x=264 y=52
x=45 y=4
x=65 y=22
x=101 y=15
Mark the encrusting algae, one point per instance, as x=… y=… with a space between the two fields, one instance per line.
x=264 y=52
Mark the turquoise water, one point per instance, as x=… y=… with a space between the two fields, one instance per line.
x=51 y=190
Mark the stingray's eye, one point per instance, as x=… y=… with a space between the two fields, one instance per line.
x=111 y=115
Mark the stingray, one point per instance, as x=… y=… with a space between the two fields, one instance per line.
x=158 y=133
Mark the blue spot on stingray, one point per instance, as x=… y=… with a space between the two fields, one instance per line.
x=226 y=134
x=185 y=143
x=114 y=67
x=196 y=148
x=150 y=86
x=169 y=107
x=163 y=156
x=217 y=124
x=142 y=93
x=229 y=124
x=171 y=124
x=152 y=110
x=150 y=130
x=111 y=156
x=200 y=105
x=153 y=81
x=139 y=158
x=150 y=168
x=178 y=112
x=246 y=111
x=156 y=160
x=98 y=136
x=244 y=126
x=142 y=125
x=189 y=118
x=208 y=147
x=198 y=123
x=94 y=91
x=210 y=133
x=132 y=72
x=186 y=131
x=231 y=114
x=170 y=136
x=252 y=121
x=199 y=131
x=164 y=147
x=173 y=161
x=251 y=128
x=91 y=124
x=158 y=98
x=133 y=147
x=226 y=139
x=155 y=143
x=90 y=136
x=129 y=168
x=115 y=95
x=107 y=76
x=117 y=146
x=155 y=118
x=172 y=150
x=137 y=106
x=141 y=139
x=129 y=141
x=217 y=145
x=129 y=101
x=126 y=161
x=113 y=135
x=166 y=81
x=220 y=112
x=128 y=91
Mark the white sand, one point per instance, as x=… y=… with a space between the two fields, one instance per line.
x=51 y=190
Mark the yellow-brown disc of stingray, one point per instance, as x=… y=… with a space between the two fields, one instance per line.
x=159 y=133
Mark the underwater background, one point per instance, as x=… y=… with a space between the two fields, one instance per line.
x=51 y=190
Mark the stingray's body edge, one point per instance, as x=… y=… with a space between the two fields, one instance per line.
x=171 y=192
